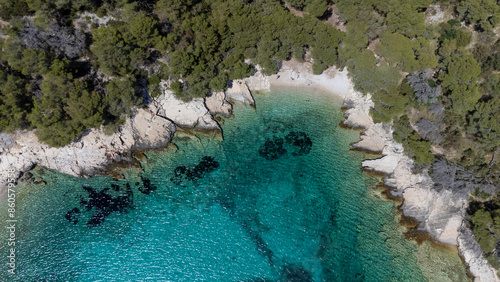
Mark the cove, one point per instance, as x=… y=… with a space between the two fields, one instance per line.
x=281 y=198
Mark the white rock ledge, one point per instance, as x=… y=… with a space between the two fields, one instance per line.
x=192 y=114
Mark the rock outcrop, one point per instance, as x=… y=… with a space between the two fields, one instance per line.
x=151 y=127
x=258 y=81
x=238 y=91
x=192 y=114
x=439 y=209
x=357 y=113
x=473 y=257
x=440 y=212
x=372 y=140
x=217 y=104
x=92 y=151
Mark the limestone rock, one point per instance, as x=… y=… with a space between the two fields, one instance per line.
x=258 y=81
x=217 y=104
x=190 y=114
x=6 y=141
x=473 y=257
x=359 y=115
x=92 y=152
x=151 y=131
x=239 y=91
x=372 y=139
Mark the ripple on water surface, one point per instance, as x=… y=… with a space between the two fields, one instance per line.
x=281 y=198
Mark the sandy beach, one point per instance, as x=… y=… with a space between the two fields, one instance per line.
x=293 y=73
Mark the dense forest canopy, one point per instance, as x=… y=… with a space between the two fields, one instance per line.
x=67 y=66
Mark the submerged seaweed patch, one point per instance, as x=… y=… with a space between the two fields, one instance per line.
x=274 y=148
x=103 y=204
x=72 y=215
x=146 y=187
x=300 y=140
x=206 y=165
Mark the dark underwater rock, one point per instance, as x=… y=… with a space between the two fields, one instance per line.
x=300 y=140
x=206 y=165
x=115 y=187
x=72 y=215
x=146 y=187
x=103 y=204
x=272 y=149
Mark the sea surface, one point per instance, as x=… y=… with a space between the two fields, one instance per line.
x=281 y=198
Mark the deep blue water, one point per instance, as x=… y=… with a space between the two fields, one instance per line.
x=299 y=208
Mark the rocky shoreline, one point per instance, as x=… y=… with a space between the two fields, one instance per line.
x=439 y=213
x=151 y=127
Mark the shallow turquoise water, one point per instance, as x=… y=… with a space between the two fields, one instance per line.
x=310 y=217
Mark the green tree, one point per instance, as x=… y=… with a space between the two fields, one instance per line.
x=28 y=61
x=459 y=78
x=115 y=56
x=392 y=103
x=317 y=8
x=370 y=78
x=54 y=126
x=406 y=20
x=15 y=103
x=415 y=147
x=120 y=97
x=484 y=122
x=240 y=70
x=85 y=107
x=398 y=49
x=483 y=13
x=426 y=57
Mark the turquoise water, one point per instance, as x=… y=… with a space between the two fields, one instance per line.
x=308 y=215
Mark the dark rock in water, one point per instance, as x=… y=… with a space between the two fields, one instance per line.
x=115 y=187
x=180 y=170
x=103 y=204
x=27 y=176
x=206 y=165
x=294 y=273
x=147 y=186
x=72 y=215
x=272 y=149
x=96 y=219
x=300 y=140
x=83 y=202
x=178 y=174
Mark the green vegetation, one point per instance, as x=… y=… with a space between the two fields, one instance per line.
x=484 y=219
x=415 y=147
